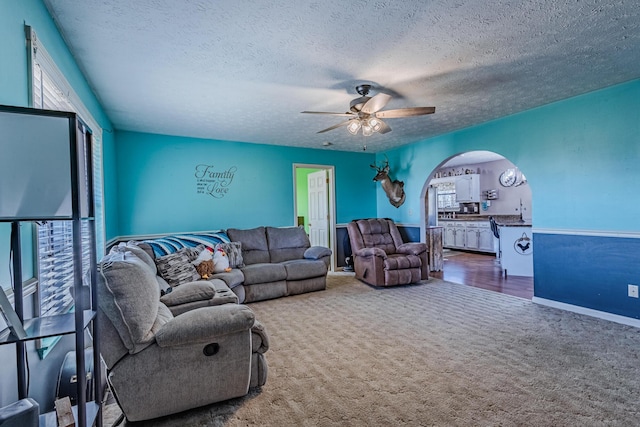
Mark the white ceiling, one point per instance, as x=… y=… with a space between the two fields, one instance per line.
x=243 y=70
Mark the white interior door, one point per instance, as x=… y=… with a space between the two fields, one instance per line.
x=318 y=208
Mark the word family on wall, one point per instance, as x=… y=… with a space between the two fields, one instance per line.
x=214 y=182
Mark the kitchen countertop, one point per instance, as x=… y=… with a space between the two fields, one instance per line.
x=501 y=220
x=514 y=224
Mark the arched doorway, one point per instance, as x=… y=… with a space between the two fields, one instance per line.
x=459 y=197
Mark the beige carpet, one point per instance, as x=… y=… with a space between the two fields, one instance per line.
x=433 y=354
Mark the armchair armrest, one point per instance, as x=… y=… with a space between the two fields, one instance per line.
x=414 y=248
x=203 y=325
x=317 y=252
x=259 y=338
x=368 y=252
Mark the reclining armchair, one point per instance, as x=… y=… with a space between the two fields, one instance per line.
x=158 y=363
x=381 y=258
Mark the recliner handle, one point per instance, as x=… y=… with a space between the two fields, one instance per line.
x=211 y=349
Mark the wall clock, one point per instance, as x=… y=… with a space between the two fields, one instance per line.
x=508 y=178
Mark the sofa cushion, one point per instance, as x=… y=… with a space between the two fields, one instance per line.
x=139 y=251
x=263 y=273
x=287 y=243
x=399 y=262
x=298 y=269
x=176 y=268
x=376 y=233
x=231 y=278
x=254 y=244
x=189 y=292
x=129 y=296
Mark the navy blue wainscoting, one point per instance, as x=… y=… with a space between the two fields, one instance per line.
x=343 y=247
x=409 y=233
x=588 y=271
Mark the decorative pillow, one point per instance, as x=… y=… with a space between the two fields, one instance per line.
x=234 y=253
x=193 y=253
x=176 y=268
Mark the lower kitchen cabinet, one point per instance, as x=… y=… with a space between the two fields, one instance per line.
x=485 y=241
x=459 y=235
x=470 y=235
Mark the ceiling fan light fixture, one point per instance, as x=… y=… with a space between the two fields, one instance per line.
x=366 y=113
x=354 y=127
x=375 y=124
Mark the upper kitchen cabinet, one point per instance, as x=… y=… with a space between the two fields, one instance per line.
x=467 y=188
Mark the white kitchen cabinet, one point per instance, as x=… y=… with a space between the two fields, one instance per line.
x=485 y=240
x=468 y=188
x=472 y=238
x=471 y=235
x=449 y=233
x=459 y=235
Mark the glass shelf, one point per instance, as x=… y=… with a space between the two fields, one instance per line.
x=48 y=326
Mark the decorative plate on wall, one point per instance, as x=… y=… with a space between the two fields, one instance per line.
x=512 y=177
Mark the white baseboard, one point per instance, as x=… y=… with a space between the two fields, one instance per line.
x=588 y=312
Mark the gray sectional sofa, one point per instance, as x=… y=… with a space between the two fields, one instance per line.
x=172 y=348
x=273 y=262
x=279 y=262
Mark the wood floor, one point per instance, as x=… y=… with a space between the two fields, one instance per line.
x=482 y=271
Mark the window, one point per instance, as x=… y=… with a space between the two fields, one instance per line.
x=49 y=89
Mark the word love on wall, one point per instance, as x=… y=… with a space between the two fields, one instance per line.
x=214 y=182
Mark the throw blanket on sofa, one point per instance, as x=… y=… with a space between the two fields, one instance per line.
x=169 y=244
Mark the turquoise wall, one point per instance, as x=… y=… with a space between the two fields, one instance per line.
x=581 y=157
x=158 y=189
x=14 y=14
x=14 y=90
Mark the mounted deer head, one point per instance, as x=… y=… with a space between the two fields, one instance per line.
x=393 y=189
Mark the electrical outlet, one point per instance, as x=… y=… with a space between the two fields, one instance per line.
x=633 y=291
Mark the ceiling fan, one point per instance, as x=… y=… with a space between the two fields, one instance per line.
x=366 y=113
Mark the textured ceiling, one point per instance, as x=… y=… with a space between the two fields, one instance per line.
x=244 y=70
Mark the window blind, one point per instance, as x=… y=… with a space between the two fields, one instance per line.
x=50 y=90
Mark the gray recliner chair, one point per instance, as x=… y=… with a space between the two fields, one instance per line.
x=381 y=258
x=158 y=364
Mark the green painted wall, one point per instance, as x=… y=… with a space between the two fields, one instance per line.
x=302 y=197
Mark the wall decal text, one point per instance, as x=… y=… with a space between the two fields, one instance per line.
x=214 y=182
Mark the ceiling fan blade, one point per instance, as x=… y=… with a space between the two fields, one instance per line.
x=384 y=128
x=332 y=114
x=405 y=112
x=346 y=122
x=376 y=103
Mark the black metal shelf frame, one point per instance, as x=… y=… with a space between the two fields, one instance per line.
x=83 y=318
